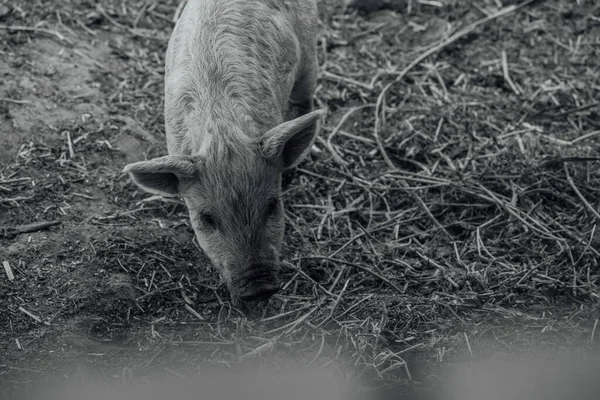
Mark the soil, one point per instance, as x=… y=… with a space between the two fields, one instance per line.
x=117 y=290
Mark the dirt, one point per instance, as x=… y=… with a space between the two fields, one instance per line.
x=69 y=293
x=119 y=290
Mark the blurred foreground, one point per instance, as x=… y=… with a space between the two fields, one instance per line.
x=247 y=384
x=536 y=376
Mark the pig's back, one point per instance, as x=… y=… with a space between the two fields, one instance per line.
x=235 y=56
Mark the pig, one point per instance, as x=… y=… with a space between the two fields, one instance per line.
x=240 y=78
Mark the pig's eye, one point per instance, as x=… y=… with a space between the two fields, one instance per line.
x=208 y=220
x=272 y=207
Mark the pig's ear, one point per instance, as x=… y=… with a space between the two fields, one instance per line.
x=289 y=140
x=161 y=175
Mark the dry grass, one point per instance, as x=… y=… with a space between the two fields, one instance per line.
x=451 y=210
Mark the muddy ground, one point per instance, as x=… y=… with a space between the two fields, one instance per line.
x=472 y=232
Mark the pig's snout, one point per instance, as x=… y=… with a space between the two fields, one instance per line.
x=259 y=282
x=260 y=292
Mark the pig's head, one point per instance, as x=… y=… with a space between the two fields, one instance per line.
x=233 y=195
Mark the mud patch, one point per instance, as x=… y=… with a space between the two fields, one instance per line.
x=43 y=87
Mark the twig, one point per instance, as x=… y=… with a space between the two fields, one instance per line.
x=259 y=350
x=15 y=101
x=8 y=270
x=33 y=316
x=15 y=199
x=70 y=145
x=40 y=30
x=559 y=160
x=583 y=137
x=33 y=227
x=194 y=312
x=468 y=344
x=580 y=195
x=90 y=59
x=178 y=10
x=335 y=77
x=577 y=109
x=14 y=180
x=507 y=74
